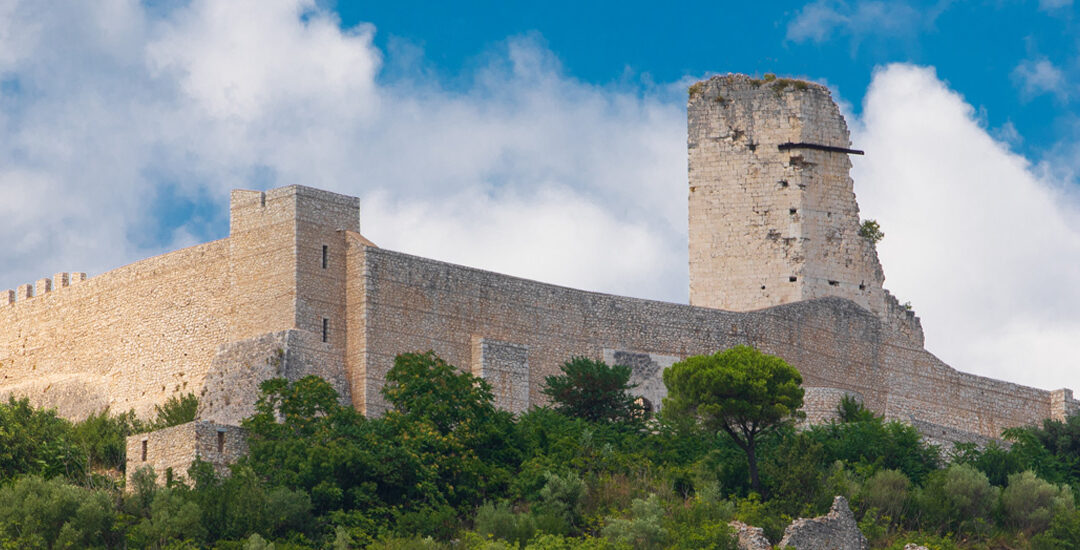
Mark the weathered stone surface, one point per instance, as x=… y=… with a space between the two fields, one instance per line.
x=646 y=373
x=913 y=546
x=750 y=538
x=232 y=384
x=505 y=366
x=295 y=273
x=172 y=450
x=836 y=530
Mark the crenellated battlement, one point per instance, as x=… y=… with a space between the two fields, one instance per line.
x=40 y=288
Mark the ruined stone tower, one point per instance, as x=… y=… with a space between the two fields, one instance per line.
x=773 y=217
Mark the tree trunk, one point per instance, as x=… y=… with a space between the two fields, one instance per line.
x=751 y=461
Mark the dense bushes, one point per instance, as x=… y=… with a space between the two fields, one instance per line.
x=446 y=469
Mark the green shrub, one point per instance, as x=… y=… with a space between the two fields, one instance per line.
x=407 y=543
x=176 y=410
x=752 y=511
x=1062 y=534
x=958 y=499
x=173 y=519
x=594 y=391
x=701 y=523
x=644 y=530
x=37 y=441
x=850 y=409
x=887 y=491
x=498 y=521
x=38 y=513
x=559 y=542
x=437 y=522
x=997 y=462
x=795 y=477
x=1029 y=503
x=871 y=231
x=931 y=541
x=872 y=445
x=103 y=437
x=561 y=498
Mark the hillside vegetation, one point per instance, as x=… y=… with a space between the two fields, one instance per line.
x=446 y=469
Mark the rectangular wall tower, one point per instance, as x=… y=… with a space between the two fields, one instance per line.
x=773 y=217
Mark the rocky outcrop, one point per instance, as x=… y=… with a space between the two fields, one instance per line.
x=750 y=538
x=836 y=530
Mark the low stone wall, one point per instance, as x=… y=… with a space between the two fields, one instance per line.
x=171 y=451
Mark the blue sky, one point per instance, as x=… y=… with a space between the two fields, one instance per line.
x=984 y=50
x=547 y=140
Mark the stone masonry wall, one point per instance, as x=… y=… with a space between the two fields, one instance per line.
x=177 y=447
x=127 y=339
x=770 y=226
x=135 y=336
x=414 y=304
x=506 y=367
x=232 y=383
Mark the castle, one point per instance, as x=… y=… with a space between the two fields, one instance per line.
x=776 y=262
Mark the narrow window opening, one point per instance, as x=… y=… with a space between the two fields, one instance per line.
x=862 y=287
x=783 y=183
x=220 y=441
x=325 y=255
x=793 y=211
x=762 y=287
x=144 y=450
x=325 y=329
x=792 y=278
x=834 y=283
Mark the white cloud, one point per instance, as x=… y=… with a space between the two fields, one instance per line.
x=983 y=245
x=135 y=110
x=820 y=20
x=1053 y=5
x=1040 y=76
x=524 y=170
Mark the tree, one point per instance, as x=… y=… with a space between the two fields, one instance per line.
x=447 y=419
x=37 y=441
x=871 y=231
x=175 y=411
x=594 y=391
x=741 y=391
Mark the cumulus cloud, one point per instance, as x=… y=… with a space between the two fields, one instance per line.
x=977 y=238
x=123 y=139
x=1040 y=76
x=821 y=20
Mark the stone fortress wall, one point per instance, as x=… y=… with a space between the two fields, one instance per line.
x=776 y=262
x=413 y=303
x=127 y=339
x=133 y=337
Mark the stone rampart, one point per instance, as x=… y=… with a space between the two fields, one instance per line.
x=411 y=304
x=127 y=339
x=776 y=262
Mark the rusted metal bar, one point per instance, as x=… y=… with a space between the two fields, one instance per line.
x=817 y=147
